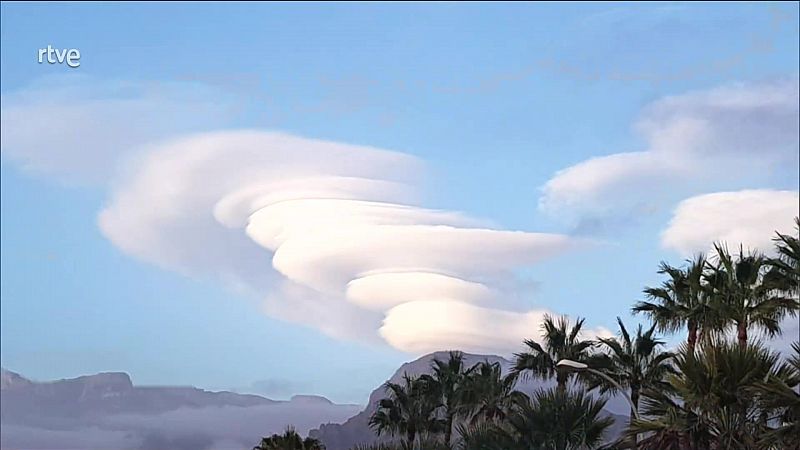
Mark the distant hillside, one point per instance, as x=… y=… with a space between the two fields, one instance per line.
x=356 y=429
x=104 y=394
x=107 y=410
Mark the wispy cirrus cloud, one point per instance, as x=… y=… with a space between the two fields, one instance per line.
x=81 y=130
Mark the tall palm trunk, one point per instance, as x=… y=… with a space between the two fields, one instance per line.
x=691 y=340
x=741 y=333
x=561 y=381
x=634 y=411
x=448 y=431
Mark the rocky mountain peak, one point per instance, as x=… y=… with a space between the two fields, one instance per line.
x=11 y=380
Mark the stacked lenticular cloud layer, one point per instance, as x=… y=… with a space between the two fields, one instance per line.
x=351 y=252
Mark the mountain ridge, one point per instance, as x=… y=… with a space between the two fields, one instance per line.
x=111 y=402
x=108 y=410
x=356 y=431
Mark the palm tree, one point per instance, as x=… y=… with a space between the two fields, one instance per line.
x=784 y=272
x=635 y=364
x=552 y=420
x=779 y=394
x=560 y=342
x=745 y=300
x=681 y=301
x=561 y=420
x=488 y=395
x=446 y=384
x=716 y=400
x=289 y=440
x=408 y=410
x=423 y=444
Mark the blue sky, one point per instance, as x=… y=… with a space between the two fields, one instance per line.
x=500 y=105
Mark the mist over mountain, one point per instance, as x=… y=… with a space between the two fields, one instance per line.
x=107 y=410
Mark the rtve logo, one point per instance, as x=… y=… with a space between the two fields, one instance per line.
x=72 y=56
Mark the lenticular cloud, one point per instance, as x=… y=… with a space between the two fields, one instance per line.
x=330 y=235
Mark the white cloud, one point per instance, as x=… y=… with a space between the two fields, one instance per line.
x=330 y=314
x=749 y=217
x=694 y=142
x=335 y=221
x=174 y=210
x=427 y=326
x=164 y=210
x=382 y=291
x=328 y=234
x=80 y=129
